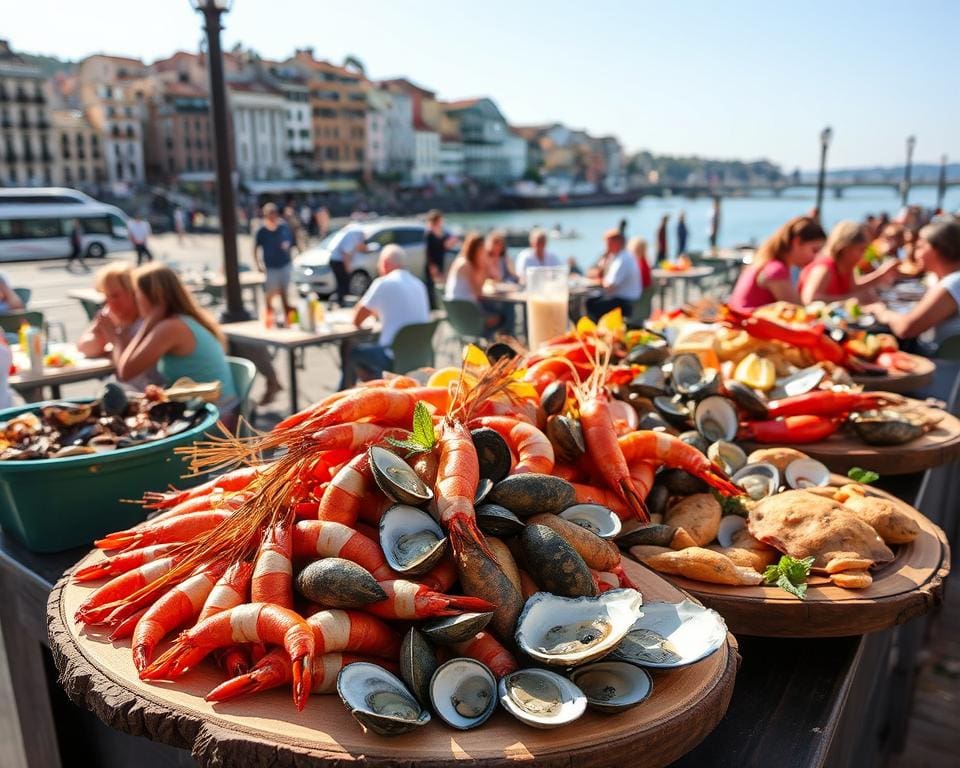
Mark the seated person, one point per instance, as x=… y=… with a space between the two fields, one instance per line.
x=176 y=336
x=396 y=298
x=536 y=255
x=938 y=252
x=465 y=282
x=831 y=275
x=638 y=247
x=619 y=276
x=117 y=322
x=9 y=301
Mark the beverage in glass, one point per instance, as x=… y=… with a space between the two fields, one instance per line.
x=548 y=303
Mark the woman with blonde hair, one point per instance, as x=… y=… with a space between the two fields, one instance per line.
x=767 y=279
x=176 y=336
x=831 y=275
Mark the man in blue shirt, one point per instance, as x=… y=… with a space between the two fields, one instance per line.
x=271 y=253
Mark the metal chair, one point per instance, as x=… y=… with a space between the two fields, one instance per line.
x=243 y=372
x=91 y=308
x=949 y=348
x=12 y=321
x=24 y=294
x=466 y=319
x=641 y=308
x=413 y=346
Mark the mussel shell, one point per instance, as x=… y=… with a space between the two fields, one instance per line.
x=104 y=443
x=653 y=534
x=612 y=686
x=650 y=383
x=167 y=411
x=566 y=437
x=651 y=352
x=747 y=399
x=673 y=410
x=758 y=480
x=411 y=540
x=338 y=583
x=396 y=478
x=655 y=421
x=418 y=662
x=694 y=438
x=679 y=482
x=499 y=350
x=596 y=518
x=730 y=457
x=72 y=450
x=66 y=414
x=379 y=700
x=554 y=564
x=806 y=473
x=113 y=399
x=658 y=497
x=885 y=427
x=463 y=693
x=455 y=629
x=716 y=418
x=541 y=698
x=554 y=398
x=495 y=520
x=531 y=493
x=493 y=453
x=484 y=486
x=689 y=378
x=671 y=635
x=83 y=434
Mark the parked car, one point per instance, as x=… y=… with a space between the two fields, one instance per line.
x=312 y=268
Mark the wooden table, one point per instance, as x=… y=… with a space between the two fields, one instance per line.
x=512 y=293
x=31 y=386
x=340 y=328
x=666 y=276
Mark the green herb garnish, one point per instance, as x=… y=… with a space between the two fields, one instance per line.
x=864 y=476
x=422 y=437
x=790 y=575
x=731 y=505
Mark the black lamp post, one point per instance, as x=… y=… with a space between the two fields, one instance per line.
x=911 y=143
x=825 y=136
x=212 y=11
x=942 y=182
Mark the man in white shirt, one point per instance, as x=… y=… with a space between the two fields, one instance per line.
x=345 y=244
x=139 y=230
x=619 y=276
x=396 y=298
x=536 y=255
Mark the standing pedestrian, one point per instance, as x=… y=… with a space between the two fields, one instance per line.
x=179 y=224
x=662 y=238
x=345 y=244
x=293 y=221
x=713 y=226
x=76 y=246
x=437 y=243
x=681 y=234
x=271 y=253
x=139 y=231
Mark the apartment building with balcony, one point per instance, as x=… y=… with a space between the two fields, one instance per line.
x=391 y=144
x=77 y=150
x=491 y=152
x=26 y=155
x=299 y=116
x=259 y=116
x=179 y=141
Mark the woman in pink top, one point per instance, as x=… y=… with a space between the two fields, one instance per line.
x=767 y=279
x=831 y=276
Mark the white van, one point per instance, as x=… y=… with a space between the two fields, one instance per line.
x=35 y=223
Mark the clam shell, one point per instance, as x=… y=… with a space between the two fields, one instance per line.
x=463 y=693
x=806 y=473
x=799 y=383
x=562 y=631
x=379 y=700
x=716 y=418
x=694 y=438
x=411 y=540
x=747 y=399
x=541 y=698
x=418 y=662
x=673 y=410
x=493 y=453
x=396 y=478
x=531 y=493
x=651 y=383
x=758 y=480
x=495 y=520
x=671 y=635
x=730 y=457
x=455 y=629
x=595 y=518
x=612 y=686
x=730 y=526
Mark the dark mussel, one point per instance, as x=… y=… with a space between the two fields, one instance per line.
x=495 y=520
x=83 y=435
x=167 y=411
x=113 y=399
x=654 y=534
x=396 y=478
x=493 y=453
x=65 y=414
x=679 y=482
x=554 y=398
x=657 y=422
x=499 y=350
x=338 y=583
x=650 y=383
x=418 y=662
x=483 y=489
x=447 y=630
x=651 y=352
x=886 y=427
x=747 y=399
x=799 y=383
x=566 y=437
x=674 y=410
x=658 y=498
x=532 y=493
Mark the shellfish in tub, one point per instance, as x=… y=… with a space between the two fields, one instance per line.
x=612 y=686
x=379 y=700
x=671 y=635
x=463 y=693
x=411 y=540
x=567 y=632
x=541 y=698
x=396 y=478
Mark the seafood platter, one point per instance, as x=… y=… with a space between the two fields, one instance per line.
x=418 y=567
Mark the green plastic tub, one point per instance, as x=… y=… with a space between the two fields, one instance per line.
x=50 y=505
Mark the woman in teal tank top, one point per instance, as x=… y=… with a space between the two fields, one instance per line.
x=176 y=336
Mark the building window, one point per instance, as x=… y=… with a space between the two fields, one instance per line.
x=110 y=111
x=67 y=175
x=64 y=145
x=133 y=170
x=82 y=173
x=128 y=111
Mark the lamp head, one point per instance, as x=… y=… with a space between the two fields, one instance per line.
x=911 y=142
x=826 y=135
x=217 y=5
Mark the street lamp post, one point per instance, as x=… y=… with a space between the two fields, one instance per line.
x=825 y=136
x=212 y=10
x=942 y=182
x=911 y=143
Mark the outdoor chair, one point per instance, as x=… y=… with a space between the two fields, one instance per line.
x=243 y=372
x=24 y=294
x=949 y=348
x=91 y=308
x=413 y=346
x=466 y=319
x=11 y=322
x=640 y=311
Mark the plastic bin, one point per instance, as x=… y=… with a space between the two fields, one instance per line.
x=50 y=505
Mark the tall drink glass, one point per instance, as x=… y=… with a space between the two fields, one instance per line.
x=548 y=300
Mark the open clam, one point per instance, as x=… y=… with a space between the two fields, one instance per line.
x=463 y=693
x=379 y=700
x=730 y=457
x=411 y=540
x=595 y=518
x=758 y=480
x=690 y=379
x=716 y=418
x=570 y=631
x=730 y=526
x=672 y=635
x=541 y=698
x=806 y=473
x=396 y=478
x=612 y=686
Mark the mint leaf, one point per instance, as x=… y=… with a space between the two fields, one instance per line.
x=790 y=575
x=423 y=427
x=864 y=476
x=797 y=590
x=408 y=445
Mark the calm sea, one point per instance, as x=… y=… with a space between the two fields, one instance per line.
x=742 y=220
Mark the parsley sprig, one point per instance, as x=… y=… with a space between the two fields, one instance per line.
x=864 y=476
x=422 y=437
x=790 y=575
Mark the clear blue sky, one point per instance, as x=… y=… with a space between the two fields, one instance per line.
x=741 y=78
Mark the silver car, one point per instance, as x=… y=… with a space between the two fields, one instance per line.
x=312 y=268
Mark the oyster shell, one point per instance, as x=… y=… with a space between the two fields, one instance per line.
x=463 y=693
x=672 y=635
x=379 y=700
x=612 y=686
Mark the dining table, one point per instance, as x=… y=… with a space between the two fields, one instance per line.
x=675 y=277
x=76 y=368
x=580 y=289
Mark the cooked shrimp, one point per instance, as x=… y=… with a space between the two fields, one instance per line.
x=272 y=580
x=123 y=562
x=97 y=608
x=408 y=601
x=458 y=474
x=345 y=493
x=485 y=648
x=532 y=448
x=354 y=437
x=328 y=539
x=229 y=482
x=183 y=528
x=659 y=448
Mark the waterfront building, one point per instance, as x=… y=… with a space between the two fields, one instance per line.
x=299 y=124
x=178 y=133
x=426 y=158
x=491 y=152
x=259 y=115
x=78 y=154
x=453 y=160
x=390 y=134
x=25 y=146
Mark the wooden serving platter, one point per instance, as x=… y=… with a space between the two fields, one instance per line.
x=844 y=450
x=901 y=381
x=266 y=729
x=908 y=586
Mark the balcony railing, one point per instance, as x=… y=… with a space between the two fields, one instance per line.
x=22 y=97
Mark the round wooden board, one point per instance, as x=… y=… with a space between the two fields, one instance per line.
x=266 y=729
x=901 y=381
x=908 y=586
x=844 y=450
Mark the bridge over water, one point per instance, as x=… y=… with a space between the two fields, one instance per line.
x=777 y=189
